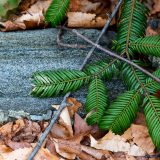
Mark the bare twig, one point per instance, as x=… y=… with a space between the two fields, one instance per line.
x=61 y=44
x=64 y=103
x=113 y=54
x=153 y=156
x=102 y=32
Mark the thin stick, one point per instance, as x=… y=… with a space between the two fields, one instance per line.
x=64 y=103
x=153 y=156
x=61 y=44
x=113 y=54
x=102 y=32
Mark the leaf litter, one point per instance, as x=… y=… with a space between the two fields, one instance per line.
x=72 y=138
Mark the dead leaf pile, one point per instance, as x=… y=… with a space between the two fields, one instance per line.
x=72 y=138
x=82 y=13
x=31 y=16
x=89 y=14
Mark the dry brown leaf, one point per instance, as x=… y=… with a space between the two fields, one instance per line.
x=50 y=146
x=6 y=130
x=17 y=145
x=80 y=126
x=32 y=18
x=141 y=138
x=59 y=131
x=25 y=4
x=83 y=6
x=98 y=154
x=70 y=149
x=65 y=119
x=151 y=32
x=128 y=134
x=5 y=149
x=28 y=133
x=156 y=7
x=75 y=105
x=22 y=154
x=85 y=20
x=117 y=144
x=130 y=157
x=140 y=120
x=61 y=152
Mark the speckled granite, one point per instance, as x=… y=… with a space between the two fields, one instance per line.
x=22 y=53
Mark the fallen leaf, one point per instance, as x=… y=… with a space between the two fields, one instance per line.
x=141 y=138
x=16 y=145
x=128 y=134
x=85 y=20
x=28 y=133
x=50 y=146
x=140 y=120
x=156 y=7
x=70 y=149
x=75 y=105
x=5 y=149
x=117 y=144
x=26 y=4
x=61 y=152
x=6 y=130
x=80 y=126
x=32 y=18
x=130 y=157
x=59 y=131
x=98 y=154
x=23 y=154
x=65 y=119
x=83 y=6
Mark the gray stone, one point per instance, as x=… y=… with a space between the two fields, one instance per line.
x=24 y=52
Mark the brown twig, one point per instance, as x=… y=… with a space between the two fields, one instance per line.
x=113 y=54
x=64 y=103
x=61 y=44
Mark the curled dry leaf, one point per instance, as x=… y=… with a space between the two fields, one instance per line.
x=98 y=154
x=116 y=143
x=80 y=126
x=61 y=152
x=75 y=105
x=65 y=119
x=85 y=20
x=70 y=149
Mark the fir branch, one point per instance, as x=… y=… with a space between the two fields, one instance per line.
x=56 y=12
x=63 y=103
x=121 y=113
x=148 y=45
x=113 y=54
x=97 y=101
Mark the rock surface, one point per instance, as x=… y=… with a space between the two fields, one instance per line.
x=22 y=53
